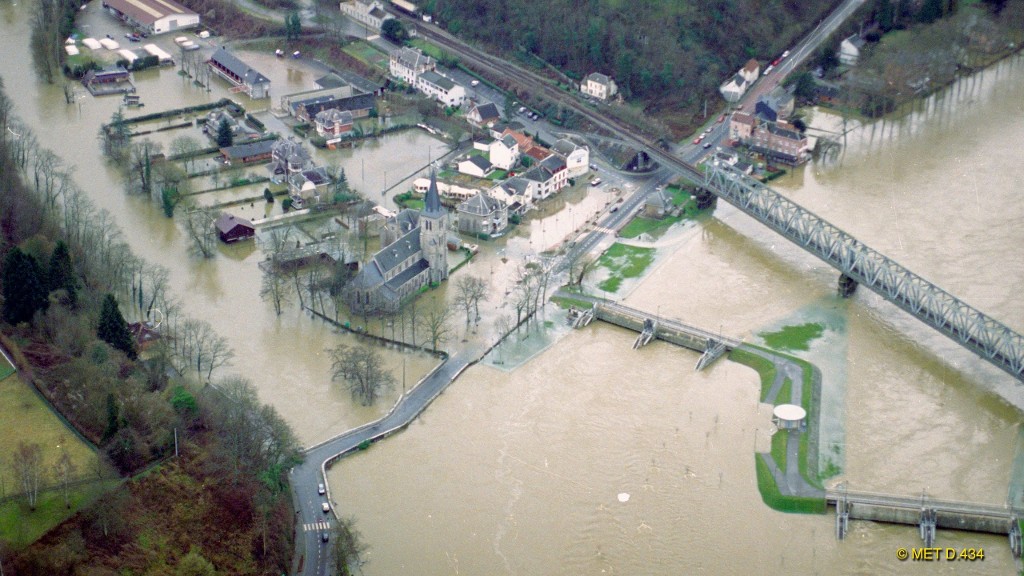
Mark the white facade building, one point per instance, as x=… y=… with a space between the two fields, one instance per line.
x=368 y=12
x=577 y=158
x=407 y=64
x=599 y=86
x=504 y=153
x=440 y=88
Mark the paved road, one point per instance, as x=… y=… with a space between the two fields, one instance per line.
x=315 y=555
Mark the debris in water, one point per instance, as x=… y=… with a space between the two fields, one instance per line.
x=623 y=496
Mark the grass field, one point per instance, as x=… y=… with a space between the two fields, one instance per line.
x=793 y=337
x=6 y=368
x=367 y=54
x=623 y=262
x=656 y=228
x=26 y=417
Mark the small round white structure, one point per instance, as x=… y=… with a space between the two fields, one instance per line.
x=788 y=416
x=623 y=497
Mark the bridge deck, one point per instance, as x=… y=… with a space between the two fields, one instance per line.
x=990 y=339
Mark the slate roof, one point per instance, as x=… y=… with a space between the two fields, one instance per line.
x=407 y=219
x=565 y=147
x=248 y=149
x=488 y=111
x=334 y=116
x=398 y=251
x=516 y=185
x=598 y=77
x=553 y=164
x=231 y=62
x=537 y=175
x=437 y=80
x=412 y=58
x=481 y=205
x=480 y=162
x=352 y=103
x=788 y=134
x=331 y=80
x=432 y=203
x=408 y=274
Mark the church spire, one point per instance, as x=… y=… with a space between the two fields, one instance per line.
x=432 y=203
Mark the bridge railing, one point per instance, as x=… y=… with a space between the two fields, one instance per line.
x=966 y=325
x=671 y=323
x=880 y=498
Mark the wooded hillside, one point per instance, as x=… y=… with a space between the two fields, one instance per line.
x=660 y=51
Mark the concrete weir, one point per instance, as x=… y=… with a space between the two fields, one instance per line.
x=925 y=513
x=713 y=346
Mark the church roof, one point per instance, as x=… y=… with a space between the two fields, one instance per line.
x=432 y=203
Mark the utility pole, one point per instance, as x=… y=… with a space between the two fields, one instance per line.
x=175 y=448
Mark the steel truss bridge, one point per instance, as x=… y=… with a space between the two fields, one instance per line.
x=859 y=264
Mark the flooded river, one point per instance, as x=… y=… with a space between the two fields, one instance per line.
x=521 y=471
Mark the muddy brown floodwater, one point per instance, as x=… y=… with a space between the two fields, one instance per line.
x=519 y=472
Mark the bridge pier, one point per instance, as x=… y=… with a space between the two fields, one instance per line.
x=847 y=286
x=1015 y=538
x=705 y=199
x=927 y=526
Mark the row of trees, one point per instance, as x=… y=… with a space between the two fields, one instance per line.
x=30 y=472
x=72 y=313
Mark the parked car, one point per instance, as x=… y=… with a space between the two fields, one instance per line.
x=321 y=490
x=785 y=54
x=474 y=83
x=721 y=118
x=698 y=139
x=707 y=145
x=595 y=182
x=326 y=507
x=324 y=536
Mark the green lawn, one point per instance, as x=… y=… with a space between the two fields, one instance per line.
x=623 y=262
x=429 y=49
x=566 y=303
x=367 y=54
x=793 y=337
x=26 y=417
x=498 y=175
x=6 y=368
x=776 y=501
x=641 y=225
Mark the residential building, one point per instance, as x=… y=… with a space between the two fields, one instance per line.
x=440 y=88
x=734 y=88
x=249 y=152
x=232 y=229
x=504 y=153
x=483 y=214
x=359 y=105
x=332 y=123
x=480 y=115
x=108 y=80
x=599 y=86
x=153 y=16
x=320 y=94
x=239 y=74
x=417 y=257
x=775 y=105
x=516 y=193
x=741 y=126
x=450 y=191
x=849 y=50
x=368 y=12
x=750 y=71
x=407 y=64
x=577 y=158
x=779 y=142
x=549 y=176
x=239 y=131
x=291 y=163
x=476 y=166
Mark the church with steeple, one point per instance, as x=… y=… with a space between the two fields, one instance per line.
x=415 y=254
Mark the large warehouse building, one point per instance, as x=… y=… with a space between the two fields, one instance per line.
x=153 y=16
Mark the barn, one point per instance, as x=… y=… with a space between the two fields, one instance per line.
x=233 y=229
x=153 y=16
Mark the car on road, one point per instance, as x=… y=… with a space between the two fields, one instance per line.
x=321 y=489
x=785 y=54
x=522 y=109
x=326 y=507
x=769 y=69
x=595 y=182
x=325 y=536
x=593 y=167
x=707 y=145
x=474 y=83
x=615 y=208
x=698 y=139
x=721 y=118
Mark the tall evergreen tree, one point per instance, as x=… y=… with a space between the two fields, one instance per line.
x=24 y=287
x=113 y=329
x=224 y=135
x=61 y=274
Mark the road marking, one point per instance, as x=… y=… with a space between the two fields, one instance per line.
x=316 y=526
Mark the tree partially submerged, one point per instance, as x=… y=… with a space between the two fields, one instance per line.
x=363 y=371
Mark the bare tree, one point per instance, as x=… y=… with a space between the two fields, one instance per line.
x=185 y=147
x=579 y=266
x=275 y=288
x=470 y=290
x=348 y=546
x=64 y=471
x=363 y=369
x=28 y=468
x=436 y=322
x=198 y=224
x=199 y=347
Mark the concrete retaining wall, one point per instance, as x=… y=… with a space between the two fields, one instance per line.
x=637 y=325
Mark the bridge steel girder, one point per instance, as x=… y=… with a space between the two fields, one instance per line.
x=969 y=327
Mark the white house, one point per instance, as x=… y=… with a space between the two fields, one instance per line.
x=476 y=166
x=599 y=86
x=549 y=176
x=504 y=153
x=482 y=114
x=750 y=71
x=153 y=16
x=577 y=158
x=849 y=50
x=517 y=193
x=333 y=122
x=440 y=88
x=407 y=64
x=369 y=12
x=734 y=88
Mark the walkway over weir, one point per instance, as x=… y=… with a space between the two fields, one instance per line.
x=926 y=513
x=966 y=325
